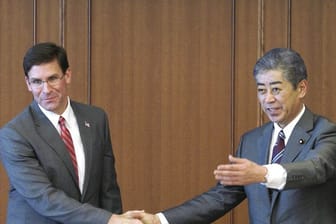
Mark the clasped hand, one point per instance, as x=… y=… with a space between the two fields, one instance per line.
x=134 y=217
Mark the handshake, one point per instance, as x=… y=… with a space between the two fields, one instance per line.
x=238 y=172
x=134 y=217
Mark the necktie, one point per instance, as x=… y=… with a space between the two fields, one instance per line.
x=278 y=148
x=66 y=137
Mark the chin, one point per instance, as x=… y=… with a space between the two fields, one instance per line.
x=49 y=107
x=275 y=120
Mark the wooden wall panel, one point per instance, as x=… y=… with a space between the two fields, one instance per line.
x=175 y=78
x=215 y=92
x=77 y=42
x=245 y=55
x=48 y=17
x=274 y=29
x=171 y=64
x=314 y=36
x=16 y=27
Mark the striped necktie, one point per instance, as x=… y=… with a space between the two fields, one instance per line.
x=279 y=148
x=66 y=137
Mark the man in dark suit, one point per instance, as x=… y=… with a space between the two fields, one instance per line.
x=295 y=187
x=56 y=180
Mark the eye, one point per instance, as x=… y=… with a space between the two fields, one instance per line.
x=261 y=91
x=276 y=90
x=36 y=81
x=53 y=79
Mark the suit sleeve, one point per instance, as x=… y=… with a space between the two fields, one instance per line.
x=317 y=162
x=28 y=178
x=110 y=198
x=207 y=207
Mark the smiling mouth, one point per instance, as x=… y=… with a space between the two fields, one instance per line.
x=273 y=108
x=49 y=99
x=274 y=111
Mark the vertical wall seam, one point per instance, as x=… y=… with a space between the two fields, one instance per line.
x=261 y=48
x=233 y=101
x=61 y=24
x=289 y=23
x=34 y=21
x=261 y=44
x=89 y=56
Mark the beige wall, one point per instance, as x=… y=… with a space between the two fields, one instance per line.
x=175 y=77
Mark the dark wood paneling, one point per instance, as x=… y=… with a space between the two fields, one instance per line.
x=314 y=37
x=167 y=95
x=48 y=19
x=275 y=28
x=215 y=93
x=76 y=41
x=16 y=27
x=175 y=78
x=196 y=88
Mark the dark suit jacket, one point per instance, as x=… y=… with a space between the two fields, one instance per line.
x=309 y=194
x=43 y=189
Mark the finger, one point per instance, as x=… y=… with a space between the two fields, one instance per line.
x=134 y=214
x=231 y=181
x=233 y=159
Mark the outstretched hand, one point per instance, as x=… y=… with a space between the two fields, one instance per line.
x=240 y=172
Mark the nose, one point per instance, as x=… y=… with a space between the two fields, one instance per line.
x=46 y=87
x=269 y=97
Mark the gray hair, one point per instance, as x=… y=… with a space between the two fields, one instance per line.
x=285 y=60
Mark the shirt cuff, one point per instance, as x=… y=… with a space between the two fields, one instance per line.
x=162 y=218
x=276 y=176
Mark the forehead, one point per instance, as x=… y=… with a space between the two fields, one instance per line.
x=270 y=77
x=45 y=70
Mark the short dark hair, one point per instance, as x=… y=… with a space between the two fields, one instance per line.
x=286 y=60
x=44 y=53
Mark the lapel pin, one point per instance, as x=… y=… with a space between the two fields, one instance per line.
x=301 y=141
x=87 y=124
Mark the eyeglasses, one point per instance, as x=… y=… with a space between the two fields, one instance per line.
x=52 y=81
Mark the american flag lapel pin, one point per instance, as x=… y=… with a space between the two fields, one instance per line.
x=87 y=124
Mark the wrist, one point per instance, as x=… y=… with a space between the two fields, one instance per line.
x=156 y=219
x=265 y=175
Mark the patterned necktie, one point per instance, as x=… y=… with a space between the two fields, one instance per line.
x=278 y=148
x=66 y=137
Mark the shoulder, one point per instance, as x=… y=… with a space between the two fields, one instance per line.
x=20 y=120
x=312 y=122
x=259 y=131
x=86 y=108
x=89 y=113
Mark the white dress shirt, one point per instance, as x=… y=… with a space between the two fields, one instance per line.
x=276 y=174
x=71 y=124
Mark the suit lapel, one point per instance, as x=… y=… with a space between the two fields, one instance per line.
x=263 y=146
x=299 y=136
x=296 y=143
x=85 y=130
x=50 y=135
x=264 y=143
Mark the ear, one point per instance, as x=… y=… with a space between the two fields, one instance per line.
x=27 y=83
x=302 y=88
x=67 y=76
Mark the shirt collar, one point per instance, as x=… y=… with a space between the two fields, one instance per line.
x=53 y=117
x=289 y=127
